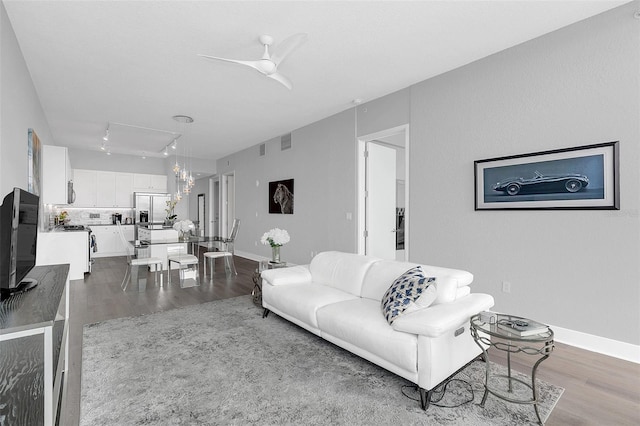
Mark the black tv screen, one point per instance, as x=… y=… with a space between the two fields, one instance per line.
x=18 y=239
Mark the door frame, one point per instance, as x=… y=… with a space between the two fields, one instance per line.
x=361 y=185
x=225 y=220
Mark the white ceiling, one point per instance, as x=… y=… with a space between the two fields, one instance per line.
x=133 y=63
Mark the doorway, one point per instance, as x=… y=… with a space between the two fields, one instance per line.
x=227 y=203
x=214 y=207
x=383 y=194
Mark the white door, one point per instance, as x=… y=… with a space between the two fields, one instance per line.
x=380 y=210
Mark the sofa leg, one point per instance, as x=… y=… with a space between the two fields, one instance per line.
x=265 y=313
x=425 y=398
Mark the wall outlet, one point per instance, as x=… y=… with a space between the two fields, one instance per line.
x=506 y=287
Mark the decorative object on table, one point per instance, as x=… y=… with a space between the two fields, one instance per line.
x=276 y=238
x=184 y=227
x=281 y=196
x=584 y=177
x=314 y=376
x=34 y=167
x=171 y=214
x=522 y=328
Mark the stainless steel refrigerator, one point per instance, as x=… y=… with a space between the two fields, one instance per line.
x=150 y=206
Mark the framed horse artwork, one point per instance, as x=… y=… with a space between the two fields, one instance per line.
x=281 y=196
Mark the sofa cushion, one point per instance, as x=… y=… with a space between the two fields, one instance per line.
x=301 y=301
x=448 y=281
x=344 y=271
x=360 y=323
x=403 y=293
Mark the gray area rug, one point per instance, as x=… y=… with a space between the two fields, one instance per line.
x=222 y=363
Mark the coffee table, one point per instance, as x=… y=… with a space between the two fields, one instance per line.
x=488 y=335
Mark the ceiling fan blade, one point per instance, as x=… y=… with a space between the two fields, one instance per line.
x=281 y=79
x=286 y=46
x=252 y=64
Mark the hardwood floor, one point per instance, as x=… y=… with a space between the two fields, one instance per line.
x=599 y=390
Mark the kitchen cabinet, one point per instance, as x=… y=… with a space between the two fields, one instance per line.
x=70 y=247
x=34 y=343
x=97 y=188
x=149 y=183
x=84 y=183
x=56 y=174
x=124 y=190
x=108 y=240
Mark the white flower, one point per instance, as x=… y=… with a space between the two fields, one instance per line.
x=183 y=226
x=275 y=238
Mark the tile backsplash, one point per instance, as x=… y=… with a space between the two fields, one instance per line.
x=88 y=216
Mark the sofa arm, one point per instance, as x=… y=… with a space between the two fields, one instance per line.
x=283 y=276
x=436 y=320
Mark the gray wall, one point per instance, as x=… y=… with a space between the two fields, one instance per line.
x=20 y=110
x=577 y=86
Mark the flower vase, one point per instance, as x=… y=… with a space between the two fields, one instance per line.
x=182 y=235
x=275 y=254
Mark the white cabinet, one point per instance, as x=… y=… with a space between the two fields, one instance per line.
x=97 y=188
x=56 y=173
x=124 y=189
x=70 y=247
x=109 y=242
x=84 y=183
x=105 y=189
x=149 y=183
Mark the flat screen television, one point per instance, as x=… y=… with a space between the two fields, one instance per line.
x=18 y=239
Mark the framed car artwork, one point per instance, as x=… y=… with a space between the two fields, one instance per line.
x=584 y=177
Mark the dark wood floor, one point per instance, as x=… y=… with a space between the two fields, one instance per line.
x=599 y=390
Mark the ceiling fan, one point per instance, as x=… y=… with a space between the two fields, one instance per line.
x=268 y=64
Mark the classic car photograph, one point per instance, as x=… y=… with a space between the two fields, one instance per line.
x=582 y=177
x=542 y=184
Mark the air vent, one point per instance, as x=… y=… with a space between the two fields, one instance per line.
x=285 y=142
x=263 y=149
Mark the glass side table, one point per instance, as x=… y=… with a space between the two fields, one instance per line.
x=256 y=293
x=487 y=335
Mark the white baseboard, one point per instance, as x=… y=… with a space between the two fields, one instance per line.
x=589 y=342
x=602 y=345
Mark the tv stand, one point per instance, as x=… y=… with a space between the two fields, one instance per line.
x=26 y=284
x=34 y=343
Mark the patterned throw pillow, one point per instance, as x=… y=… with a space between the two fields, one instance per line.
x=404 y=291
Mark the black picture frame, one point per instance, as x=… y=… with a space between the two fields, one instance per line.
x=551 y=180
x=281 y=196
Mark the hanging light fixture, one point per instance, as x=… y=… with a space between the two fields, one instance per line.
x=181 y=173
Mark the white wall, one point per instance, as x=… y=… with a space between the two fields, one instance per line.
x=20 y=110
x=577 y=270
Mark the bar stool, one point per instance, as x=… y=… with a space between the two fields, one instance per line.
x=187 y=268
x=213 y=255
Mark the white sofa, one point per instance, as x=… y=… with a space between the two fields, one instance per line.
x=338 y=297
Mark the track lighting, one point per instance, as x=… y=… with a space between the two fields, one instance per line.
x=174 y=144
x=106 y=135
x=103 y=147
x=165 y=152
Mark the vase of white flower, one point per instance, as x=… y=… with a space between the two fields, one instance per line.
x=275 y=254
x=183 y=227
x=276 y=238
